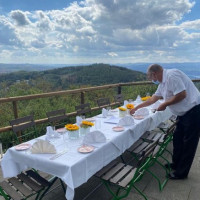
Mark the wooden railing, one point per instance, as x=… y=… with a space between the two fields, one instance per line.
x=81 y=91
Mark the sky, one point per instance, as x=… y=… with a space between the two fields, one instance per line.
x=99 y=31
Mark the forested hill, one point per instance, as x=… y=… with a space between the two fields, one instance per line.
x=96 y=74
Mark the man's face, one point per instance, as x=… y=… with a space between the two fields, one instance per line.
x=152 y=76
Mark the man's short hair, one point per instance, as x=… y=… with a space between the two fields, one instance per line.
x=154 y=68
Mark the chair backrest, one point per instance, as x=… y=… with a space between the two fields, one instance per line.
x=103 y=102
x=147 y=154
x=24 y=128
x=22 y=123
x=56 y=117
x=82 y=109
x=119 y=98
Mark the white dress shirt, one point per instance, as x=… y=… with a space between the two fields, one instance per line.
x=175 y=81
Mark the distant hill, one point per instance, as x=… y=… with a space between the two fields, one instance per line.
x=96 y=74
x=191 y=69
x=8 y=68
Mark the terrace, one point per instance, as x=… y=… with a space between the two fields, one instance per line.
x=183 y=189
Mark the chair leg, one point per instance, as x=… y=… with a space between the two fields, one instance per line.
x=63 y=187
x=161 y=185
x=45 y=191
x=116 y=195
x=4 y=195
x=140 y=192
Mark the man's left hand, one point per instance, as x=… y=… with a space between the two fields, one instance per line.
x=161 y=107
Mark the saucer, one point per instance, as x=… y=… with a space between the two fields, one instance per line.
x=138 y=117
x=118 y=128
x=22 y=146
x=85 y=149
x=61 y=130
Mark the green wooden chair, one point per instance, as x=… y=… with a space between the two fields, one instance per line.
x=24 y=186
x=124 y=176
x=140 y=145
x=103 y=102
x=57 y=118
x=30 y=182
x=24 y=129
x=119 y=99
x=160 y=149
x=83 y=109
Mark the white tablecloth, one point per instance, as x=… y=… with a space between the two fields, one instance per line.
x=73 y=167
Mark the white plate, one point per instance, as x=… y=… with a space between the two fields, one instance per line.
x=61 y=130
x=85 y=149
x=138 y=117
x=118 y=128
x=22 y=146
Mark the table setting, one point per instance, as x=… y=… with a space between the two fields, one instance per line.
x=75 y=156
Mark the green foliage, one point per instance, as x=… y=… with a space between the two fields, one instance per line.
x=63 y=78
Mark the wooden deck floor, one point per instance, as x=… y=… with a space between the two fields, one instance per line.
x=187 y=189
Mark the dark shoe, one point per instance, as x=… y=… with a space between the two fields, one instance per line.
x=172 y=176
x=170 y=166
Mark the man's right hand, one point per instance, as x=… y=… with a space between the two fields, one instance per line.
x=132 y=111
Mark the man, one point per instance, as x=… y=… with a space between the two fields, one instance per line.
x=183 y=99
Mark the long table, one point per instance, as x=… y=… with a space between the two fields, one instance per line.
x=76 y=168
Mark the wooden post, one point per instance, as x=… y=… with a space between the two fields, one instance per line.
x=16 y=116
x=15 y=109
x=119 y=90
x=82 y=97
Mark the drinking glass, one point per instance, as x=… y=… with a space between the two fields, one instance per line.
x=98 y=124
x=65 y=140
x=130 y=100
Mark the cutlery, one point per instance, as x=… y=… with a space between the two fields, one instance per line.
x=58 y=154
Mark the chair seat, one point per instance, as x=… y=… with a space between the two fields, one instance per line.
x=117 y=173
x=24 y=185
x=151 y=136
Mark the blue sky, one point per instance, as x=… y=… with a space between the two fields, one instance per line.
x=93 y=31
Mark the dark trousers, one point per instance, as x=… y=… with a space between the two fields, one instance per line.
x=185 y=141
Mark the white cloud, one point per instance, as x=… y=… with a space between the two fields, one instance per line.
x=112 y=54
x=19 y=17
x=102 y=29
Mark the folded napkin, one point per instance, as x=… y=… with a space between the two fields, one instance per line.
x=94 y=137
x=43 y=146
x=104 y=112
x=126 y=121
x=138 y=99
x=51 y=133
x=142 y=112
x=112 y=120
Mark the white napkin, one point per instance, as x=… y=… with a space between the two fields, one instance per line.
x=112 y=120
x=104 y=112
x=126 y=121
x=43 y=146
x=51 y=133
x=138 y=99
x=94 y=137
x=78 y=120
x=142 y=112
